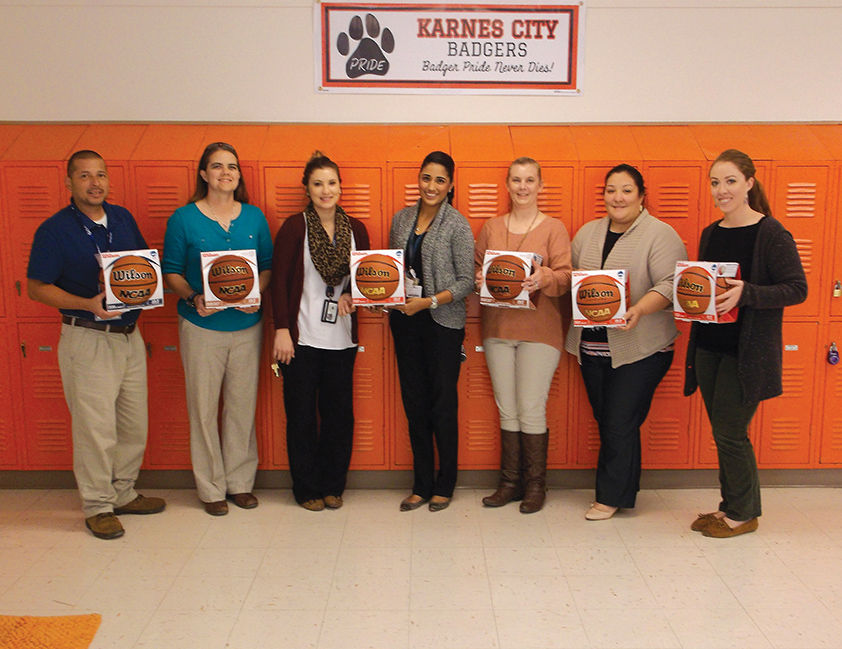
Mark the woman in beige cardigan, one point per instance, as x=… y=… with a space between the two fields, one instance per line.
x=622 y=367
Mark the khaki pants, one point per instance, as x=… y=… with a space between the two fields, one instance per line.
x=521 y=374
x=104 y=380
x=226 y=363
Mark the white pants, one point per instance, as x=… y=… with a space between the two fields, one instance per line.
x=521 y=374
x=104 y=380
x=226 y=363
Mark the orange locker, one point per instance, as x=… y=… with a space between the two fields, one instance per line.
x=479 y=423
x=9 y=385
x=168 y=445
x=34 y=192
x=369 y=450
x=370 y=380
x=786 y=422
x=559 y=416
x=831 y=399
x=46 y=420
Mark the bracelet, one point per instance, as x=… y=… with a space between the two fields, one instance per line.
x=191 y=301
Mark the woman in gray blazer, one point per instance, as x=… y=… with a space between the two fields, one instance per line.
x=429 y=329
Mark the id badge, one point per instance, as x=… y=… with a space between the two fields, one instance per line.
x=330 y=311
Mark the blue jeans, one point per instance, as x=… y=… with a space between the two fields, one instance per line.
x=620 y=398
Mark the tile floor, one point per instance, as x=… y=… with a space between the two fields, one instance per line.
x=465 y=578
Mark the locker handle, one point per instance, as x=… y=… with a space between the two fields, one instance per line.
x=149 y=350
x=837 y=289
x=17 y=287
x=23 y=348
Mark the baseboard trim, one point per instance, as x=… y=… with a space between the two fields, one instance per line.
x=557 y=479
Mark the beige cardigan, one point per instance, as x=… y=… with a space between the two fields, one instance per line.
x=648 y=250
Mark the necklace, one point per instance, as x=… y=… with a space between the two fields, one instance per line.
x=528 y=230
x=223 y=224
x=420 y=229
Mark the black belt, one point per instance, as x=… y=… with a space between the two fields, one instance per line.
x=99 y=326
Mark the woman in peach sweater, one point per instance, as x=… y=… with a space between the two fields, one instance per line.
x=523 y=346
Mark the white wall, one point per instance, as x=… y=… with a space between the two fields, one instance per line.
x=242 y=61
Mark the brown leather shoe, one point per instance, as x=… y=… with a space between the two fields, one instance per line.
x=438 y=505
x=142 y=505
x=333 y=502
x=719 y=529
x=510 y=487
x=216 y=508
x=105 y=526
x=243 y=500
x=534 y=449
x=703 y=521
x=313 y=505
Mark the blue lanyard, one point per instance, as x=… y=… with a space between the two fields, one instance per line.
x=109 y=236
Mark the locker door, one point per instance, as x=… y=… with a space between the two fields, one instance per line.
x=369 y=402
x=481 y=194
x=283 y=194
x=831 y=440
x=160 y=189
x=786 y=421
x=33 y=194
x=556 y=199
x=666 y=434
x=9 y=458
x=584 y=429
x=674 y=196
x=276 y=453
x=479 y=422
x=592 y=203
x=827 y=290
x=800 y=202
x=558 y=415
x=46 y=419
x=168 y=446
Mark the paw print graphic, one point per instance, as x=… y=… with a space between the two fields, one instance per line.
x=369 y=57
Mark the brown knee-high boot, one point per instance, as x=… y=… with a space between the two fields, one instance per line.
x=534 y=449
x=511 y=486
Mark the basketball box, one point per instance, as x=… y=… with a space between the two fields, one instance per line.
x=230 y=279
x=377 y=277
x=600 y=298
x=503 y=273
x=695 y=287
x=131 y=279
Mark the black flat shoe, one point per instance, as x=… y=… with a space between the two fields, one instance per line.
x=408 y=505
x=438 y=506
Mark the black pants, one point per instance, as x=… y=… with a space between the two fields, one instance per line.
x=620 y=398
x=729 y=418
x=319 y=403
x=429 y=360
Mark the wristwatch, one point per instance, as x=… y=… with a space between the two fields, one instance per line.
x=191 y=301
x=434 y=302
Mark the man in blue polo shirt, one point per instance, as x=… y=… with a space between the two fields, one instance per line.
x=101 y=355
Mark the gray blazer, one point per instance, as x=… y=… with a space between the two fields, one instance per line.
x=447 y=255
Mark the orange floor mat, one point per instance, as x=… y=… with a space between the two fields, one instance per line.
x=62 y=632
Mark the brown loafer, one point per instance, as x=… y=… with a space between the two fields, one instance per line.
x=407 y=504
x=105 y=526
x=703 y=520
x=141 y=505
x=333 y=502
x=313 y=505
x=216 y=508
x=719 y=529
x=243 y=500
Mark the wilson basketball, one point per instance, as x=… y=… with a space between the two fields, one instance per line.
x=504 y=277
x=721 y=285
x=230 y=278
x=598 y=297
x=692 y=292
x=133 y=279
x=377 y=276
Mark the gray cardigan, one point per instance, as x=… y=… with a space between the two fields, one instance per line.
x=648 y=250
x=447 y=255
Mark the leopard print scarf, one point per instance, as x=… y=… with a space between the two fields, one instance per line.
x=331 y=259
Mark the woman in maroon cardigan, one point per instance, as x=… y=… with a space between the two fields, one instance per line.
x=316 y=335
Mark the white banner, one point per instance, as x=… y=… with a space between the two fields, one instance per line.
x=430 y=48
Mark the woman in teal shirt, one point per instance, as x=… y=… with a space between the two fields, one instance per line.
x=220 y=349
